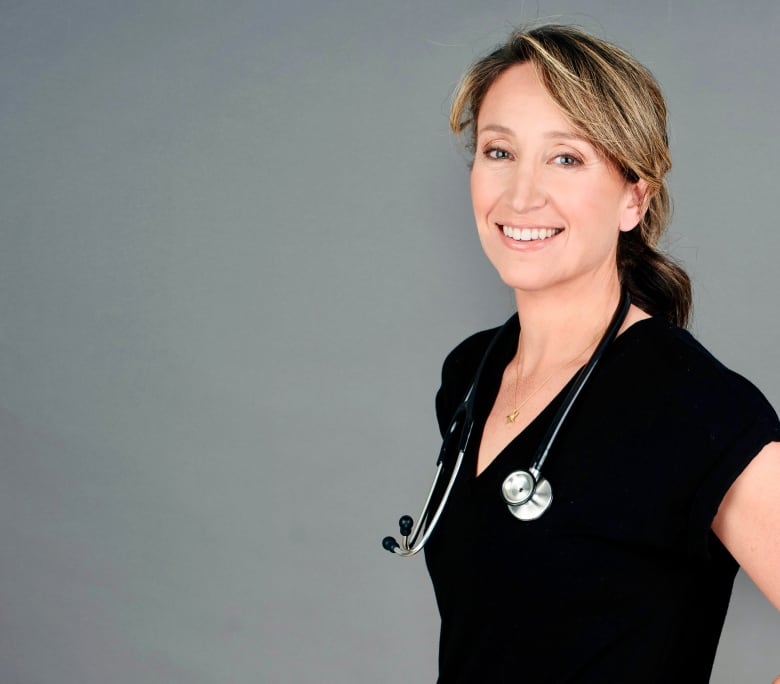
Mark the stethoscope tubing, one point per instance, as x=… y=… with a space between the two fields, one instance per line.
x=582 y=377
x=411 y=542
x=409 y=545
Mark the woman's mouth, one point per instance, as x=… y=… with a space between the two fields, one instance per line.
x=529 y=234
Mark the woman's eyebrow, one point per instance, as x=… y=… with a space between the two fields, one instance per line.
x=498 y=128
x=565 y=135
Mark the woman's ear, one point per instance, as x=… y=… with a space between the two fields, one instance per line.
x=636 y=205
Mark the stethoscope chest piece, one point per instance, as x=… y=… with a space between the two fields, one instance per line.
x=526 y=498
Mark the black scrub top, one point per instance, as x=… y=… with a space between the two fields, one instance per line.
x=621 y=580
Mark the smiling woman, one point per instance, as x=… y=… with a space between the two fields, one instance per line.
x=548 y=203
x=608 y=102
x=664 y=464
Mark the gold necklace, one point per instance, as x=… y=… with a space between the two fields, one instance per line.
x=512 y=417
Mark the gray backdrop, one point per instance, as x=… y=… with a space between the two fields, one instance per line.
x=236 y=245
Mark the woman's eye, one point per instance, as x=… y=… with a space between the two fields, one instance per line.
x=566 y=160
x=497 y=153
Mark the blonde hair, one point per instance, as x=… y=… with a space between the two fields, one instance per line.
x=616 y=103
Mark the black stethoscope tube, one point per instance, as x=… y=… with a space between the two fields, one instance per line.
x=527 y=494
x=583 y=376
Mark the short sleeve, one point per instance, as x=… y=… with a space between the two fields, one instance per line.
x=737 y=427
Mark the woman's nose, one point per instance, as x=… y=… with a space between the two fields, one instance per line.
x=525 y=191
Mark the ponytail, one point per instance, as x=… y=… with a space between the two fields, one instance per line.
x=656 y=284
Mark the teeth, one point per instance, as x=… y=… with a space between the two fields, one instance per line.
x=528 y=234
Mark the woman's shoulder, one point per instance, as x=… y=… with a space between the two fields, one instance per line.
x=673 y=360
x=458 y=371
x=662 y=344
x=466 y=355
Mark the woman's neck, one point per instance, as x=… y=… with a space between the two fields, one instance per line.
x=559 y=323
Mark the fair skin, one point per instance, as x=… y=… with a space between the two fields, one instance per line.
x=563 y=206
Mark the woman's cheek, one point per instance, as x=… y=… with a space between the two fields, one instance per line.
x=485 y=190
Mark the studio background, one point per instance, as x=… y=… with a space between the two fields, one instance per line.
x=236 y=245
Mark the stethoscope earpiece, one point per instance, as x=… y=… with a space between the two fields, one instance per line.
x=390 y=544
x=405 y=525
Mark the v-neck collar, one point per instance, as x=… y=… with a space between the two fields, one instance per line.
x=486 y=391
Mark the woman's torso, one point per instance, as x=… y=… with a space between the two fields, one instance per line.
x=621 y=580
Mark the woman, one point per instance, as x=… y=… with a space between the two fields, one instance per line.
x=665 y=472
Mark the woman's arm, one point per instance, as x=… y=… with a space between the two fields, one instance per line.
x=748 y=521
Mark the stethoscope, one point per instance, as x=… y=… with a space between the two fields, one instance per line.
x=526 y=492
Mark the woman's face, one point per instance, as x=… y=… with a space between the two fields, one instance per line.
x=548 y=206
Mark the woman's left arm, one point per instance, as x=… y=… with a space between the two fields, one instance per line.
x=748 y=521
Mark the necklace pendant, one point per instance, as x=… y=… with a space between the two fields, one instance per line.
x=512 y=417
